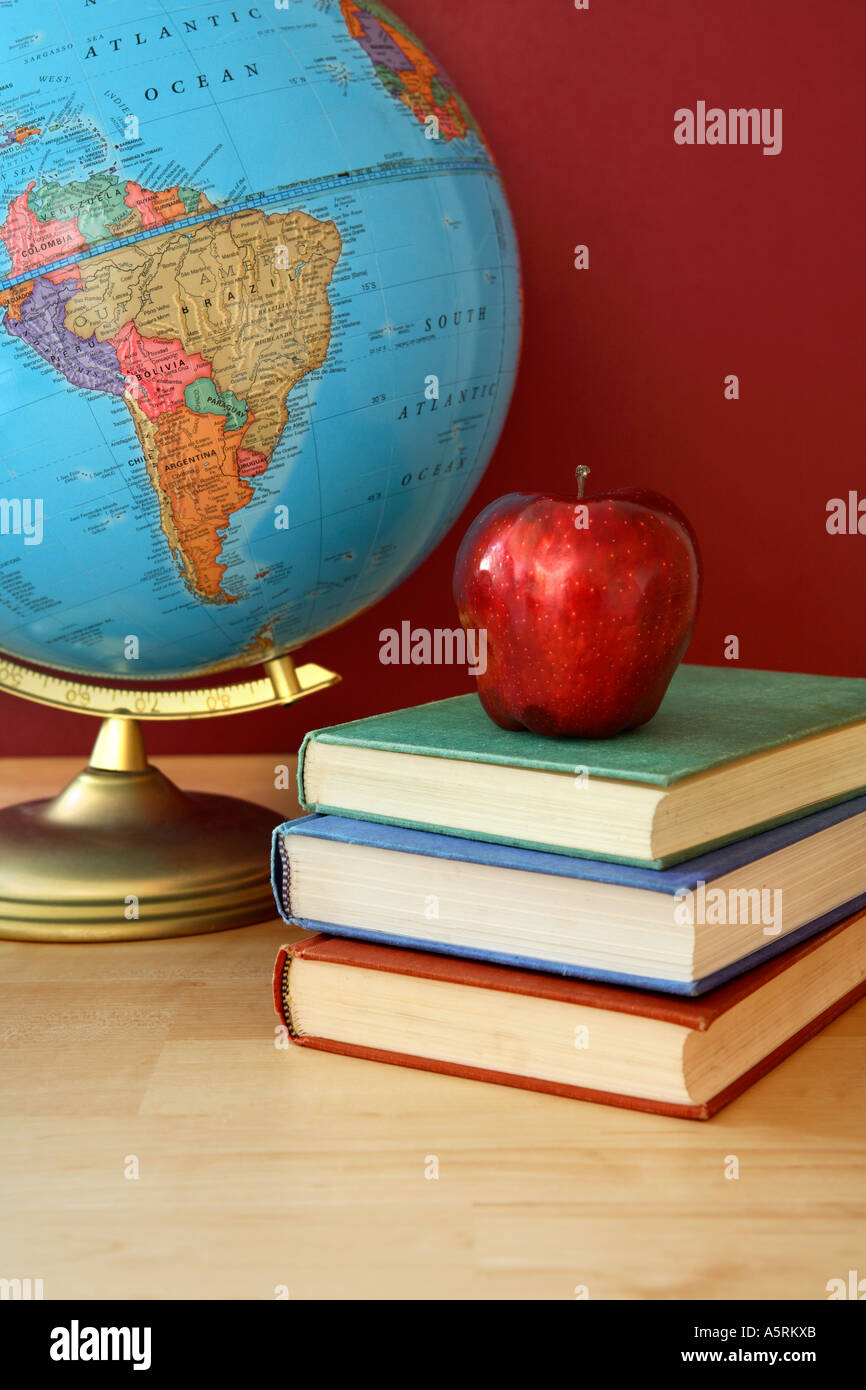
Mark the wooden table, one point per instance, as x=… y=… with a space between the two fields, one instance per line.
x=263 y=1169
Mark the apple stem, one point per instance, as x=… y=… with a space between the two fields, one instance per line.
x=581 y=473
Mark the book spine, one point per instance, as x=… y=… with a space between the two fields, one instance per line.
x=281 y=874
x=282 y=1003
x=302 y=757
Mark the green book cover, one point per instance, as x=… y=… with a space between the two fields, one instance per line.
x=711 y=715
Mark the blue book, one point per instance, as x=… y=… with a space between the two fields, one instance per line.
x=682 y=930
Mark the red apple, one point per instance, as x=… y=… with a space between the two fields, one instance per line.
x=588 y=612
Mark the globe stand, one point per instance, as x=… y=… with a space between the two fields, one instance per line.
x=123 y=854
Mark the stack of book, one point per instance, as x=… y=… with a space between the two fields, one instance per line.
x=653 y=920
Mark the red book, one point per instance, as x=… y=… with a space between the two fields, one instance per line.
x=684 y=1057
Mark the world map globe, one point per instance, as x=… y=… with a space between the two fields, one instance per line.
x=260 y=323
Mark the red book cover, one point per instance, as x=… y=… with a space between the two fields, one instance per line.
x=689 y=1013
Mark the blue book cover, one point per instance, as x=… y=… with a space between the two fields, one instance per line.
x=687 y=876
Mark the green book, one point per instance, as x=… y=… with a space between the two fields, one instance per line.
x=730 y=752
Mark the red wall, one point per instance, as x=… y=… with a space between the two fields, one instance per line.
x=703 y=262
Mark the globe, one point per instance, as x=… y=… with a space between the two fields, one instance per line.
x=260 y=323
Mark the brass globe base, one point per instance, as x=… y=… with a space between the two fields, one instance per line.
x=123 y=855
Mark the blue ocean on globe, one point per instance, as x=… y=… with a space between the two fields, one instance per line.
x=259 y=325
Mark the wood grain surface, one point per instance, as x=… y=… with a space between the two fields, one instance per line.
x=265 y=1171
